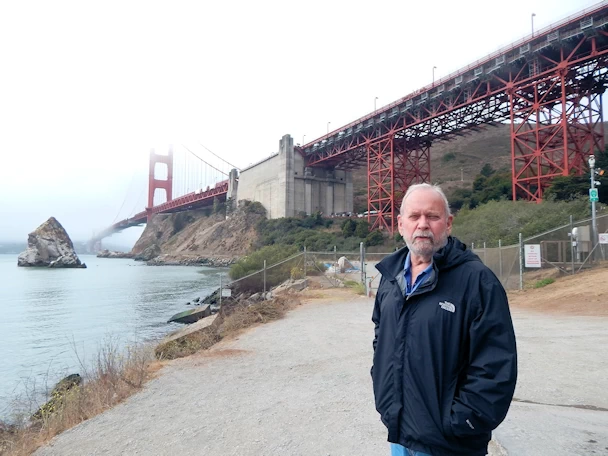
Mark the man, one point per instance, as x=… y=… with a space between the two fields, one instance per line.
x=445 y=362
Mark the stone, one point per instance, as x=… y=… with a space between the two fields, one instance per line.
x=148 y=254
x=49 y=246
x=290 y=286
x=61 y=390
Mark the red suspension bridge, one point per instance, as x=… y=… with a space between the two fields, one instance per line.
x=547 y=86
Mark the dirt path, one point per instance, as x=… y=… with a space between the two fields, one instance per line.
x=301 y=386
x=298 y=386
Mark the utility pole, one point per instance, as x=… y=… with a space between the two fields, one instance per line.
x=593 y=197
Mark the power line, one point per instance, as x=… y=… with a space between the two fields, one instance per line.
x=208 y=150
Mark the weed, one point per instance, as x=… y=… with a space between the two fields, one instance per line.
x=543 y=282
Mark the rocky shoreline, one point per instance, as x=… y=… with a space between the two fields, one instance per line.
x=179 y=260
x=173 y=260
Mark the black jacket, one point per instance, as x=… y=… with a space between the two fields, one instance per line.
x=445 y=362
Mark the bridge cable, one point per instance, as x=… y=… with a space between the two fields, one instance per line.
x=125 y=198
x=208 y=150
x=208 y=164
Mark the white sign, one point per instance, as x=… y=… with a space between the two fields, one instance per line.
x=603 y=238
x=226 y=292
x=532 y=255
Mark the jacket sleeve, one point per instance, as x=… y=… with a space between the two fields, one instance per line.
x=376 y=315
x=483 y=397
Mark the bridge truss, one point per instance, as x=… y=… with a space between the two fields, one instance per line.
x=548 y=86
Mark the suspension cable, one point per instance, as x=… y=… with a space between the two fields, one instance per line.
x=208 y=150
x=208 y=164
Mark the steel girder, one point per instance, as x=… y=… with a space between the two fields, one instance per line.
x=556 y=123
x=526 y=90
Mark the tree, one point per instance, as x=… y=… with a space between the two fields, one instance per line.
x=348 y=227
x=362 y=229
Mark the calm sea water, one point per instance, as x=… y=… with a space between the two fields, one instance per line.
x=52 y=319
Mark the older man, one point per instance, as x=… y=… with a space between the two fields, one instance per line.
x=445 y=362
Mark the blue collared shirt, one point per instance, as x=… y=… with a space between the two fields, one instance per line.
x=407 y=272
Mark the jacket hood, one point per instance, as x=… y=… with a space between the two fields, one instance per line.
x=452 y=254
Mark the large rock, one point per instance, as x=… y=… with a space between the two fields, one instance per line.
x=150 y=252
x=49 y=245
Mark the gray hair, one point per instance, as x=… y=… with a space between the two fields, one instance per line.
x=412 y=188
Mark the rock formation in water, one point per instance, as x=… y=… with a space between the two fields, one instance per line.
x=49 y=245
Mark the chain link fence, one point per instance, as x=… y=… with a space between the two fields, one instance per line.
x=567 y=249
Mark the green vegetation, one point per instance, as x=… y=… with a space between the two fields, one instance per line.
x=316 y=233
x=489 y=185
x=543 y=282
x=357 y=287
x=505 y=219
x=448 y=157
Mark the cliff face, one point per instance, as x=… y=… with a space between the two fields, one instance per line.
x=49 y=245
x=192 y=237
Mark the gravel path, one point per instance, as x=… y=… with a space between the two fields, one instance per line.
x=301 y=386
x=297 y=386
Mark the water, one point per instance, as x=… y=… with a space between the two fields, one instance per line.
x=52 y=319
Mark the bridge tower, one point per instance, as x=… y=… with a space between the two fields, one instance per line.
x=154 y=183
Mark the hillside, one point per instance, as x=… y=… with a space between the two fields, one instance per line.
x=196 y=235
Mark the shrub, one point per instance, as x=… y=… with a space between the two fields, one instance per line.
x=544 y=282
x=448 y=157
x=374 y=238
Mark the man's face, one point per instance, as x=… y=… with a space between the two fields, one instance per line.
x=424 y=224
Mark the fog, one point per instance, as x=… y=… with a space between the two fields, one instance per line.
x=88 y=89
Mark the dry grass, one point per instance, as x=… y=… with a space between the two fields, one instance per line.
x=231 y=321
x=116 y=375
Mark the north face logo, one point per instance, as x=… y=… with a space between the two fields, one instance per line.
x=446 y=305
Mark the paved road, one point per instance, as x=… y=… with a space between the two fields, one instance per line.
x=301 y=386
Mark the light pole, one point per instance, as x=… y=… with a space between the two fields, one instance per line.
x=303 y=136
x=328 y=127
x=434 y=68
x=375 y=103
x=593 y=198
x=532 y=19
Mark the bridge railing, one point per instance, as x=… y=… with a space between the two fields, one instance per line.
x=476 y=64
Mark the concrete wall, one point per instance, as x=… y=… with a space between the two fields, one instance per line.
x=286 y=188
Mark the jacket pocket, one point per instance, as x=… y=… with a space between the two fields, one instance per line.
x=446 y=420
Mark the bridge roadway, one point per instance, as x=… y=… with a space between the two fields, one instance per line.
x=548 y=85
x=189 y=201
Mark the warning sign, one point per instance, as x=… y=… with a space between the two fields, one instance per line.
x=532 y=256
x=603 y=238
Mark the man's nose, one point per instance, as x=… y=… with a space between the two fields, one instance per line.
x=423 y=222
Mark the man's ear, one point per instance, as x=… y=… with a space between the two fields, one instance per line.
x=449 y=223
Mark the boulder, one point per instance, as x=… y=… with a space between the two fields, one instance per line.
x=290 y=286
x=150 y=252
x=58 y=395
x=49 y=245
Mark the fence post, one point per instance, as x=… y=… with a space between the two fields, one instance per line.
x=500 y=259
x=484 y=253
x=362 y=261
x=264 y=277
x=335 y=261
x=571 y=244
x=220 y=290
x=472 y=246
x=304 y=261
x=521 y=263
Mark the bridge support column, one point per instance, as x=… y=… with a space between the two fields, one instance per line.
x=393 y=165
x=556 y=123
x=164 y=184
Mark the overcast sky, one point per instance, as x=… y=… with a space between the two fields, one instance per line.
x=88 y=88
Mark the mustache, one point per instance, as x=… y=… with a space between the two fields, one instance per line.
x=426 y=234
